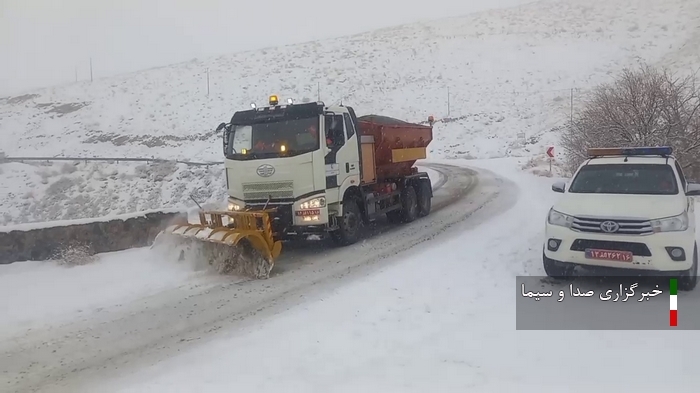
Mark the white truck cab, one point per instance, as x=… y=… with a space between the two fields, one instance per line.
x=625 y=208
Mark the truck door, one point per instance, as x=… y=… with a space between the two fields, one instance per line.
x=352 y=151
x=335 y=141
x=342 y=161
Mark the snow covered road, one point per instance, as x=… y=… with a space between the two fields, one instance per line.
x=151 y=324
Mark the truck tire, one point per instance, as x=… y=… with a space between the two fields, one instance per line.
x=423 y=191
x=556 y=269
x=689 y=280
x=409 y=204
x=350 y=224
x=394 y=216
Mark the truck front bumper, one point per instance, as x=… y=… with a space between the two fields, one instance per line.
x=306 y=215
x=654 y=252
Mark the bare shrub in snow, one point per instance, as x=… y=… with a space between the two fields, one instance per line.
x=76 y=255
x=541 y=172
x=531 y=163
x=643 y=107
x=60 y=186
x=156 y=171
x=68 y=168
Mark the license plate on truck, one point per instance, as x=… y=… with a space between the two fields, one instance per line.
x=609 y=255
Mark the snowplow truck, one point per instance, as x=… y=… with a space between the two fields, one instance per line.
x=305 y=169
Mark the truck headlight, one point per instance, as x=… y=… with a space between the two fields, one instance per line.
x=315 y=203
x=234 y=207
x=559 y=219
x=677 y=223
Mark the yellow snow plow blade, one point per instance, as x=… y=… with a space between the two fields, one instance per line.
x=234 y=241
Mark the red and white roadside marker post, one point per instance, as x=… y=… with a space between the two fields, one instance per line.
x=550 y=153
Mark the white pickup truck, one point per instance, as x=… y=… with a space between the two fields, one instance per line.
x=625 y=208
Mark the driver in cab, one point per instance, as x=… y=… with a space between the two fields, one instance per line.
x=308 y=139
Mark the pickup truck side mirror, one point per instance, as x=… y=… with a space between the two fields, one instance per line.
x=693 y=189
x=559 y=186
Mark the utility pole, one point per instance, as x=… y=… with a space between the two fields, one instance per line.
x=91 y=79
x=319 y=91
x=448 y=101
x=571 y=115
x=76 y=74
x=207 y=82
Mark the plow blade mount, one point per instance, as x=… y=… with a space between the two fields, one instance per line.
x=235 y=242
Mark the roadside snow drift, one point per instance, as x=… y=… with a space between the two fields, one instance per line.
x=46 y=294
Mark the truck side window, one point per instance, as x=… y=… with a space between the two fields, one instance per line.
x=349 y=128
x=334 y=129
x=680 y=175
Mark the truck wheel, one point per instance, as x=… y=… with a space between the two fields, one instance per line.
x=556 y=269
x=394 y=216
x=349 y=223
x=689 y=280
x=423 y=190
x=409 y=205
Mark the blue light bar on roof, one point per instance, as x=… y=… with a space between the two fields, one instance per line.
x=631 y=151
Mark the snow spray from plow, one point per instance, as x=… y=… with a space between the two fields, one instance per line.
x=239 y=243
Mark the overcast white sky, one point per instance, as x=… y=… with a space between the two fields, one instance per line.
x=43 y=41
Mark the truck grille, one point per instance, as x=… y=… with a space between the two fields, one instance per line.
x=625 y=226
x=639 y=249
x=276 y=190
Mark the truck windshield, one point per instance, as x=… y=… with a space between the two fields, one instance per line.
x=276 y=138
x=644 y=179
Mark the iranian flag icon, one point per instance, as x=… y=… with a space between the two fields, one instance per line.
x=674 y=302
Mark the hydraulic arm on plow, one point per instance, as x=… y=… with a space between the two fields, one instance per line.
x=219 y=233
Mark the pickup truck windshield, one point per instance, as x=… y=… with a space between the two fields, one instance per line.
x=643 y=179
x=275 y=138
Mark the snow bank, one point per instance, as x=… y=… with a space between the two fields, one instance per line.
x=63 y=191
x=85 y=237
x=39 y=293
x=84 y=221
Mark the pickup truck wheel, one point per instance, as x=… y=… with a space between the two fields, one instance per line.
x=350 y=224
x=423 y=190
x=556 y=269
x=689 y=280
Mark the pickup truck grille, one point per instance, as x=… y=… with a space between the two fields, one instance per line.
x=625 y=226
x=276 y=190
x=639 y=249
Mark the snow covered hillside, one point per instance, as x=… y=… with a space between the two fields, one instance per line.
x=510 y=74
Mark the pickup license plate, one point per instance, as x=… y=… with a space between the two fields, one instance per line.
x=609 y=255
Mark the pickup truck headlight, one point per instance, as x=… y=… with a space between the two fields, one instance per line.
x=559 y=219
x=677 y=223
x=234 y=207
x=315 y=203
